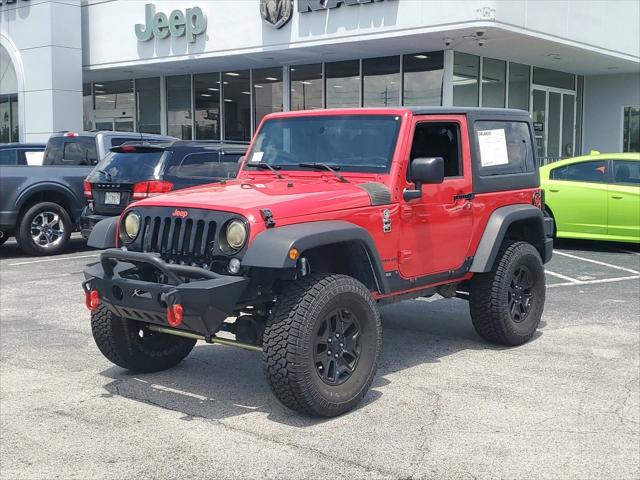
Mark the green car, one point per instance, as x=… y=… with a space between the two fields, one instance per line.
x=594 y=197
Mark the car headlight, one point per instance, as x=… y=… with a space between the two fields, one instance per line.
x=131 y=225
x=236 y=234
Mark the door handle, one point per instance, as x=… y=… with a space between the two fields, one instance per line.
x=617 y=197
x=554 y=190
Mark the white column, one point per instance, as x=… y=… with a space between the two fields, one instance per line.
x=447 y=80
x=47 y=41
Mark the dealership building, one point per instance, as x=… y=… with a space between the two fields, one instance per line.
x=198 y=69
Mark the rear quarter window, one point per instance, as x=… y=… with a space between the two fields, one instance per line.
x=8 y=157
x=504 y=148
x=201 y=165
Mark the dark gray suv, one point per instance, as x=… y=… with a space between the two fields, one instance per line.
x=138 y=170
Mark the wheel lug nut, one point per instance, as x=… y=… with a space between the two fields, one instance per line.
x=329 y=353
x=329 y=340
x=337 y=335
x=342 y=345
x=336 y=355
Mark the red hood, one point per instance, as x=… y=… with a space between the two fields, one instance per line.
x=285 y=198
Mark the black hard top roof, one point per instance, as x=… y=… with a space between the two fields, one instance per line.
x=483 y=111
x=179 y=144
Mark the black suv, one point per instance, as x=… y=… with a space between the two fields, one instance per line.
x=137 y=170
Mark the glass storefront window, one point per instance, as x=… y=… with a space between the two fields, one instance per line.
x=519 y=86
x=148 y=105
x=237 y=105
x=267 y=92
x=306 y=87
x=206 y=89
x=112 y=95
x=343 y=84
x=631 y=129
x=466 y=69
x=553 y=78
x=423 y=74
x=568 y=116
x=87 y=107
x=493 y=82
x=553 y=130
x=9 y=130
x=381 y=81
x=179 y=107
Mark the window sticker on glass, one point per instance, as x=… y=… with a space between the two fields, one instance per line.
x=493 y=147
x=256 y=157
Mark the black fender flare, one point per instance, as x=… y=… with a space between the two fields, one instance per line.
x=75 y=203
x=103 y=234
x=495 y=230
x=270 y=249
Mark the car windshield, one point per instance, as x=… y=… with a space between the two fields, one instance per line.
x=350 y=143
x=119 y=165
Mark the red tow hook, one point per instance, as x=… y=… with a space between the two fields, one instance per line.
x=174 y=315
x=92 y=299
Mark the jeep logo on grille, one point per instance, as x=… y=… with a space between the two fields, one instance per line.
x=180 y=213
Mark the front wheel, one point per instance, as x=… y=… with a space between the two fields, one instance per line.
x=129 y=345
x=44 y=229
x=321 y=344
x=506 y=303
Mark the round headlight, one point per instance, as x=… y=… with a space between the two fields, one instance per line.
x=132 y=225
x=236 y=234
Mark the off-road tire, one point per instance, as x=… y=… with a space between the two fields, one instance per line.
x=23 y=234
x=489 y=296
x=119 y=340
x=288 y=344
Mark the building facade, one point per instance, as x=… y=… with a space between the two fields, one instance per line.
x=213 y=69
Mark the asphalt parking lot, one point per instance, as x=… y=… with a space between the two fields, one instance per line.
x=444 y=404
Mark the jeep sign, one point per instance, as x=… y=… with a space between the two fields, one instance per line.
x=191 y=23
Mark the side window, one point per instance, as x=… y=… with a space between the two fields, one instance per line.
x=504 y=148
x=626 y=172
x=438 y=140
x=594 y=172
x=201 y=165
x=8 y=157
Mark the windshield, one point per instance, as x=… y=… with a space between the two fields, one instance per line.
x=124 y=166
x=352 y=143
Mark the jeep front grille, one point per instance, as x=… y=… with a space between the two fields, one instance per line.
x=177 y=238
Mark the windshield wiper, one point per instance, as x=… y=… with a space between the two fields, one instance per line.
x=266 y=166
x=106 y=174
x=324 y=166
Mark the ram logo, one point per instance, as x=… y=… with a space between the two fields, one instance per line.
x=180 y=213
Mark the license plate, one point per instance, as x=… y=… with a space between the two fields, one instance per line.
x=112 y=198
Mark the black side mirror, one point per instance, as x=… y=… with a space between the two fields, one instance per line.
x=425 y=170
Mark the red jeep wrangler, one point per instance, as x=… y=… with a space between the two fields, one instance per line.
x=333 y=213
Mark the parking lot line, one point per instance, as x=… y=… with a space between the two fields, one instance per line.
x=52 y=259
x=563 y=277
x=597 y=262
x=594 y=282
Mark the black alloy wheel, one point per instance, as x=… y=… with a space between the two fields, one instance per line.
x=520 y=296
x=337 y=347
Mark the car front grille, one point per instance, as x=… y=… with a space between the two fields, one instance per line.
x=178 y=239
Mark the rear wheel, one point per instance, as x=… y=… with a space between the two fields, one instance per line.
x=506 y=303
x=129 y=345
x=321 y=345
x=44 y=229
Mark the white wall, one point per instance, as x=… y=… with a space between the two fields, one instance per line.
x=604 y=100
x=44 y=40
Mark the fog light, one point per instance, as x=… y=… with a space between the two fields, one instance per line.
x=92 y=300
x=234 y=266
x=174 y=315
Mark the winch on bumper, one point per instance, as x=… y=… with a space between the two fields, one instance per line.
x=204 y=298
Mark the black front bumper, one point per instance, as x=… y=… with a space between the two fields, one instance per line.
x=207 y=298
